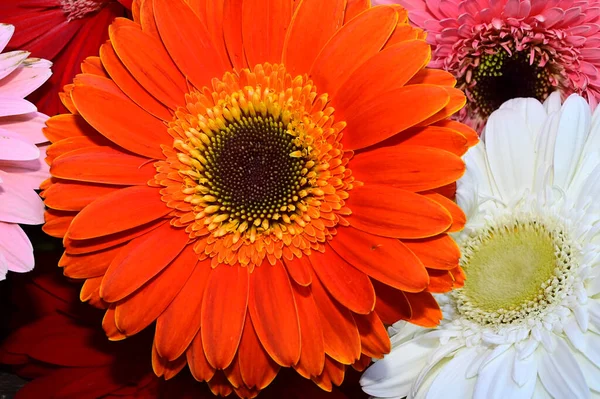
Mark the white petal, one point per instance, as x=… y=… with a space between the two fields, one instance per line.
x=592 y=347
x=560 y=374
x=574 y=125
x=495 y=381
x=30 y=75
x=531 y=110
x=15 y=106
x=16 y=248
x=394 y=374
x=590 y=371
x=6 y=32
x=28 y=125
x=553 y=103
x=450 y=381
x=541 y=392
x=18 y=202
x=524 y=372
x=510 y=149
x=575 y=334
x=546 y=141
x=13 y=147
x=9 y=62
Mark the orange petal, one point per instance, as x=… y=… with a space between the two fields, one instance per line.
x=457 y=101
x=93 y=66
x=90 y=292
x=89 y=265
x=349 y=286
x=392 y=212
x=118 y=211
x=233 y=374
x=174 y=333
x=373 y=335
x=256 y=366
x=140 y=260
x=199 y=366
x=103 y=165
x=412 y=168
x=433 y=76
x=121 y=121
x=333 y=374
x=459 y=219
x=439 y=252
x=70 y=196
x=149 y=63
x=264 y=23
x=337 y=60
x=147 y=303
x=299 y=270
x=312 y=25
x=147 y=20
x=361 y=364
x=392 y=304
x=219 y=385
x=232 y=33
x=214 y=22
x=340 y=334
x=384 y=259
x=165 y=368
x=195 y=55
x=57 y=223
x=440 y=281
x=77 y=247
x=273 y=312
x=223 y=313
x=403 y=32
x=109 y=326
x=355 y=7
x=459 y=277
x=129 y=85
x=470 y=134
x=62 y=126
x=387 y=70
x=312 y=356
x=425 y=310
x=371 y=120
x=434 y=136
x=69 y=144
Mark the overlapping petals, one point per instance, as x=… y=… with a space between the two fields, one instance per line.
x=22 y=152
x=266 y=193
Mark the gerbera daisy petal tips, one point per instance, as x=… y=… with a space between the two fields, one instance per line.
x=215 y=188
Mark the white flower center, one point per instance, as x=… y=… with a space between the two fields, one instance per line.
x=517 y=268
x=76 y=9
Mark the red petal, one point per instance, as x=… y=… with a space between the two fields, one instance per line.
x=349 y=286
x=384 y=259
x=273 y=312
x=140 y=260
x=223 y=313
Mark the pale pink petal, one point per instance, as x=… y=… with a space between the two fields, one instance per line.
x=29 y=126
x=10 y=61
x=16 y=248
x=30 y=75
x=32 y=173
x=18 y=202
x=6 y=32
x=14 y=147
x=15 y=106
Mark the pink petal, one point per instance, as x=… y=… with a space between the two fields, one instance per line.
x=30 y=75
x=10 y=61
x=18 y=202
x=14 y=147
x=15 y=106
x=6 y=32
x=16 y=248
x=28 y=126
x=31 y=173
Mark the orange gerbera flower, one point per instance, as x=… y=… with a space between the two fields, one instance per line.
x=265 y=179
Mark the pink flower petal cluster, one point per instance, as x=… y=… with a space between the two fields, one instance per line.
x=562 y=36
x=22 y=153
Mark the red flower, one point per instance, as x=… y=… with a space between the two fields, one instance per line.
x=57 y=342
x=62 y=31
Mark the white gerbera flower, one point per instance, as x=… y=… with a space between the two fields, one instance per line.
x=527 y=322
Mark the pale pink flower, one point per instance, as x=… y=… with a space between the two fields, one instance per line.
x=22 y=153
x=503 y=49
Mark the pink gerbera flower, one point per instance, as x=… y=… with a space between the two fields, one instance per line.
x=502 y=49
x=22 y=166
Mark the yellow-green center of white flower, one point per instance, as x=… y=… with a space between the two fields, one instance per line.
x=514 y=271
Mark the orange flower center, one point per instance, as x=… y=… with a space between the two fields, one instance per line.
x=256 y=169
x=76 y=9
